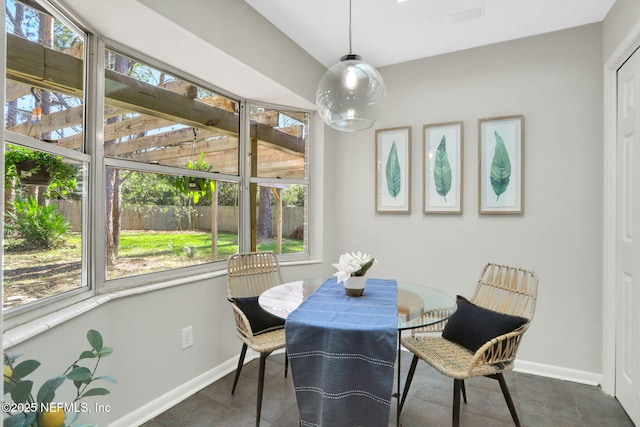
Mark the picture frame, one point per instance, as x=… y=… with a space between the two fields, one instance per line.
x=501 y=165
x=393 y=170
x=443 y=161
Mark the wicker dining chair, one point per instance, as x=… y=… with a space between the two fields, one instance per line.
x=248 y=275
x=482 y=337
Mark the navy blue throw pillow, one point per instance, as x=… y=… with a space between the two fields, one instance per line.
x=471 y=326
x=260 y=320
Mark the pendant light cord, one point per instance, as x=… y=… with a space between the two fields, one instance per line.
x=350 y=55
x=350 y=52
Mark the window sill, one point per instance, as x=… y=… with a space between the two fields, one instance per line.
x=30 y=329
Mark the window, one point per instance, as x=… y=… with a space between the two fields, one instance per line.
x=177 y=177
x=45 y=164
x=279 y=180
x=162 y=228
x=172 y=180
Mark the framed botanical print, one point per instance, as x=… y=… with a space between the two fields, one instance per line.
x=443 y=162
x=501 y=169
x=393 y=170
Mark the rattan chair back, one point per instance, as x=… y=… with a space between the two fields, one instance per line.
x=251 y=273
x=509 y=290
x=501 y=288
x=248 y=275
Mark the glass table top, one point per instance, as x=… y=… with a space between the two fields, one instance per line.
x=418 y=306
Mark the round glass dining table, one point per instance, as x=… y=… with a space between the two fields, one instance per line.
x=418 y=307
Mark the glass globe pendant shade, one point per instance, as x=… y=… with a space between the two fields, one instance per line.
x=351 y=95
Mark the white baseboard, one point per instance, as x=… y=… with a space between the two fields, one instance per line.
x=556 y=372
x=177 y=395
x=180 y=393
x=550 y=371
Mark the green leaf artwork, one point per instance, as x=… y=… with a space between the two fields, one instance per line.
x=393 y=172
x=500 y=167
x=442 y=170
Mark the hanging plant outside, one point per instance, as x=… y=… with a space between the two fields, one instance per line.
x=34 y=167
x=196 y=187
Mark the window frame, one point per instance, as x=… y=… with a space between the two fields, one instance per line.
x=103 y=284
x=85 y=287
x=95 y=283
x=17 y=315
x=246 y=238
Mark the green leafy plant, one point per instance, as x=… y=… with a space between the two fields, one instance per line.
x=188 y=251
x=500 y=167
x=442 y=170
x=393 y=172
x=39 y=227
x=196 y=188
x=22 y=163
x=43 y=410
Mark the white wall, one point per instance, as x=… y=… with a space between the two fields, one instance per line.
x=247 y=36
x=623 y=16
x=145 y=329
x=555 y=80
x=145 y=332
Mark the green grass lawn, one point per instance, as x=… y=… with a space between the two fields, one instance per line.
x=157 y=243
x=144 y=243
x=38 y=274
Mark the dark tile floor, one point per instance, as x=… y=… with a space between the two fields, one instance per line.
x=539 y=402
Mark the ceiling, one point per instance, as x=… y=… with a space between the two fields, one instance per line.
x=386 y=32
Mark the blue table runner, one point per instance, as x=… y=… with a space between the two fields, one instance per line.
x=342 y=352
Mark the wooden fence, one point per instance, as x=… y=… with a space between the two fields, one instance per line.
x=173 y=218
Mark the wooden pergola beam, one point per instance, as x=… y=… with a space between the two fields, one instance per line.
x=35 y=65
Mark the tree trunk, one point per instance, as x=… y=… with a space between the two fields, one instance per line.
x=265 y=229
x=12 y=110
x=45 y=35
x=113 y=215
x=113 y=184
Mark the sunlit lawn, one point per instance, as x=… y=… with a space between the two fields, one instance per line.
x=38 y=274
x=145 y=243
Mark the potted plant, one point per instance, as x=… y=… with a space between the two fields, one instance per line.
x=35 y=167
x=196 y=187
x=351 y=270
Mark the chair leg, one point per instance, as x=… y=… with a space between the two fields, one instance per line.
x=457 y=385
x=507 y=397
x=263 y=358
x=407 y=383
x=286 y=363
x=239 y=368
x=464 y=392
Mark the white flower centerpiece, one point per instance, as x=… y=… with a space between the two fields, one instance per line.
x=351 y=270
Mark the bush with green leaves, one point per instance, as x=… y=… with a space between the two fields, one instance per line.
x=27 y=411
x=39 y=227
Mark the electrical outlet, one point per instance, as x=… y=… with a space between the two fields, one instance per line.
x=187 y=337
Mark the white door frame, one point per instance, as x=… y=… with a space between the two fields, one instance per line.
x=615 y=61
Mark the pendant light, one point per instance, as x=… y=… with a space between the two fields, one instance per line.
x=351 y=94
